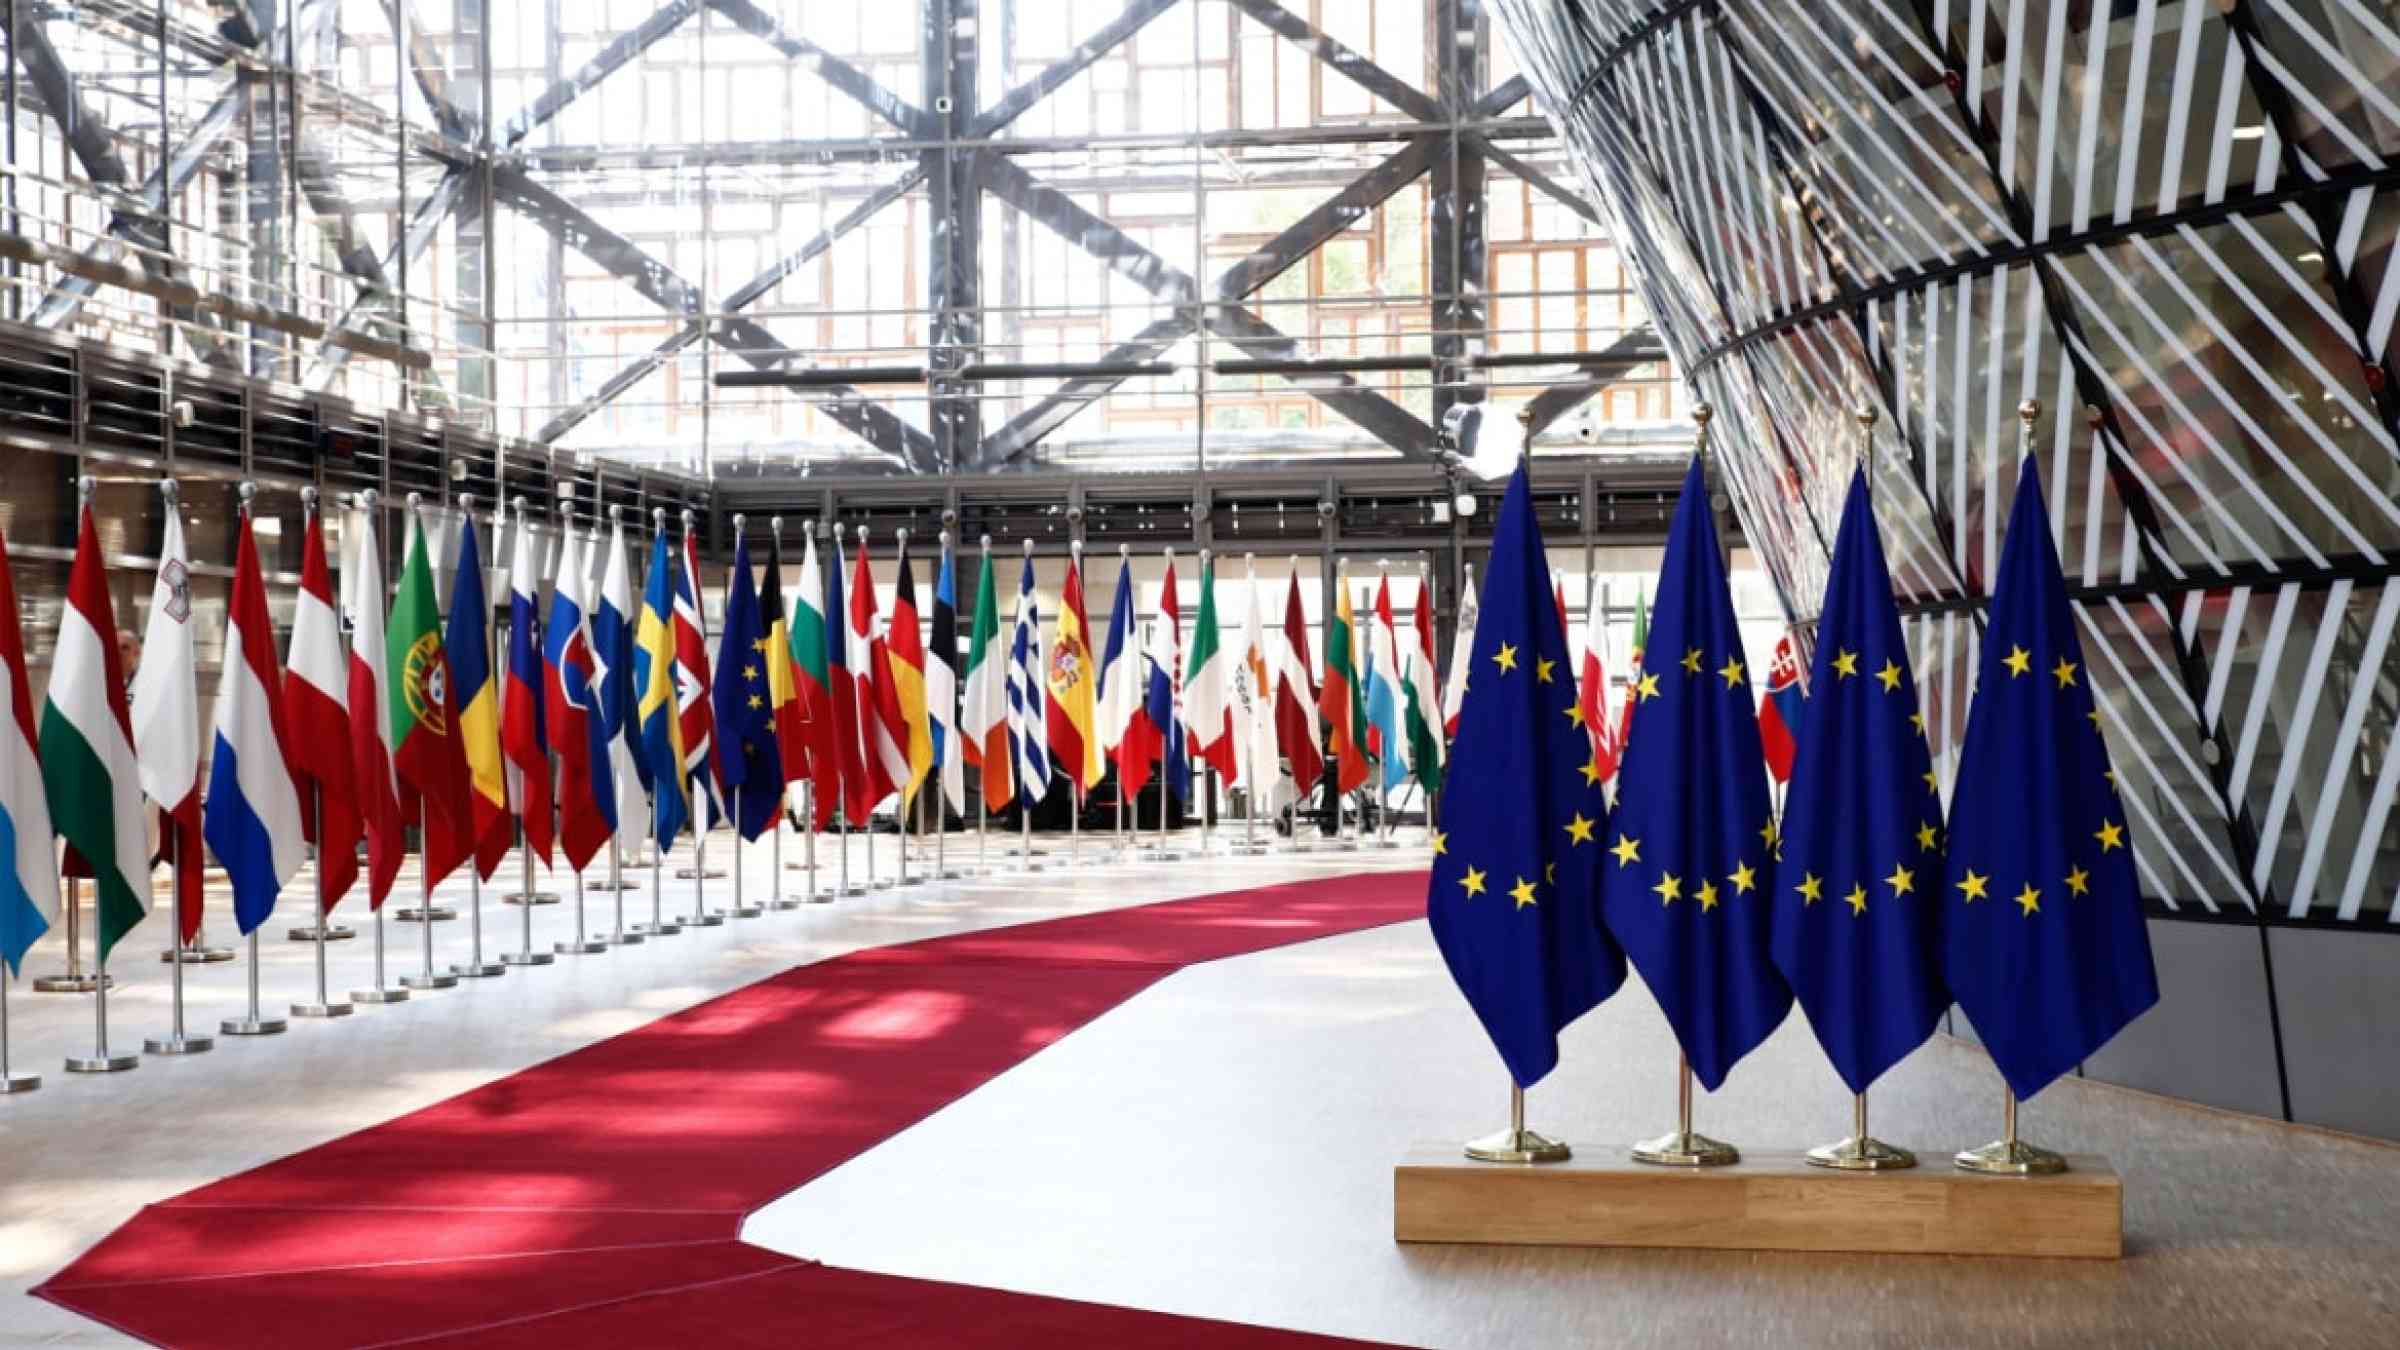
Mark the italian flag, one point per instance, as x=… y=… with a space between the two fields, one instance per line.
x=88 y=768
x=1207 y=703
x=1633 y=671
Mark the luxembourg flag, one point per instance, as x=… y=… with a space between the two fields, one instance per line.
x=252 y=816
x=28 y=853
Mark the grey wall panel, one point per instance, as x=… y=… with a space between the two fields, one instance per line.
x=2210 y=1038
x=2340 y=996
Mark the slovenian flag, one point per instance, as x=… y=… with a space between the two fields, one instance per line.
x=252 y=816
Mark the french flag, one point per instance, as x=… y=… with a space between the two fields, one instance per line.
x=252 y=818
x=1122 y=691
x=523 y=738
x=586 y=788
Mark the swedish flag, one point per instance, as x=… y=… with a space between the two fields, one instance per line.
x=1857 y=898
x=1512 y=900
x=1692 y=850
x=654 y=694
x=2045 y=944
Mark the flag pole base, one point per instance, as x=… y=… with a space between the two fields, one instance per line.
x=337 y=932
x=746 y=911
x=1861 y=1154
x=1517 y=1146
x=196 y=956
x=416 y=914
x=179 y=1045
x=628 y=938
x=539 y=898
x=437 y=980
x=472 y=970
x=70 y=984
x=321 y=1010
x=258 y=1026
x=379 y=995
x=587 y=947
x=102 y=1063
x=707 y=919
x=19 y=1082
x=799 y=867
x=695 y=874
x=2011 y=1158
x=784 y=902
x=604 y=884
x=525 y=959
x=661 y=929
x=1249 y=850
x=1684 y=1148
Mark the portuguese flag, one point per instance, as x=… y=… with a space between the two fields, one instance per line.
x=427 y=752
x=88 y=768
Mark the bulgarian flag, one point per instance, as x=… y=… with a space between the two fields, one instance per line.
x=426 y=750
x=813 y=686
x=984 y=707
x=89 y=771
x=1339 y=698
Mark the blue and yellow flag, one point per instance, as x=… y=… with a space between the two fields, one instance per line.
x=654 y=710
x=1513 y=899
x=1856 y=913
x=1692 y=850
x=467 y=637
x=2045 y=944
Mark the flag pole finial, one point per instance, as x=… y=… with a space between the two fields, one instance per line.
x=1029 y=546
x=616 y=513
x=945 y=541
x=416 y=501
x=1125 y=552
x=775 y=527
x=247 y=491
x=2028 y=412
x=85 y=487
x=738 y=520
x=170 y=489
x=518 y=502
x=308 y=497
x=658 y=518
x=987 y=543
x=862 y=535
x=367 y=498
x=1866 y=441
x=466 y=500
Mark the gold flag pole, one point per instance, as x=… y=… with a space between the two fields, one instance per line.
x=1516 y=1144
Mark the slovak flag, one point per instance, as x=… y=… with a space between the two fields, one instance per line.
x=252 y=816
x=1779 y=711
x=578 y=732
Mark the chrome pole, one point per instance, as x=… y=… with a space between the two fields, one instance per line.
x=175 y=1042
x=525 y=955
x=427 y=977
x=100 y=1060
x=324 y=1006
x=10 y=1080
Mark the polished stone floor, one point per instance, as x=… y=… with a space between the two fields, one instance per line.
x=1222 y=1144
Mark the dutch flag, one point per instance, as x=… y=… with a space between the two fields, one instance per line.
x=252 y=817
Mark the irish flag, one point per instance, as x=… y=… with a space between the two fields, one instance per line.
x=88 y=768
x=252 y=820
x=983 y=708
x=28 y=864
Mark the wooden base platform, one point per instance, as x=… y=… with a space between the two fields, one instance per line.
x=1767 y=1202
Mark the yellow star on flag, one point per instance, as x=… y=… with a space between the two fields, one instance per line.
x=1917 y=720
x=2065 y=671
x=1580 y=829
x=2029 y=899
x=1707 y=895
x=1932 y=784
x=1627 y=849
x=1441 y=843
x=1574 y=712
x=1974 y=886
x=2018 y=661
x=1669 y=889
x=1593 y=774
x=2079 y=882
x=1522 y=892
x=1691 y=660
x=1926 y=835
x=1857 y=900
x=759 y=646
x=1506 y=657
x=1743 y=878
x=1902 y=881
x=1732 y=671
x=1541 y=669
x=1845 y=663
x=749 y=672
x=1550 y=872
x=757 y=702
x=2111 y=835
x=1811 y=888
x=1890 y=675
x=1473 y=881
x=1647 y=688
x=1770 y=832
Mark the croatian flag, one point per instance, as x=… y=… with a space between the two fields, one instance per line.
x=1779 y=711
x=252 y=816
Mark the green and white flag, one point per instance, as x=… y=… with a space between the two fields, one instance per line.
x=1207 y=704
x=89 y=772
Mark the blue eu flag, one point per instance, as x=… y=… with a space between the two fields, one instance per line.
x=749 y=762
x=1692 y=850
x=1515 y=870
x=1856 y=914
x=2044 y=941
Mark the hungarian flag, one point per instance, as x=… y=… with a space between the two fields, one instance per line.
x=814 y=687
x=882 y=730
x=1296 y=730
x=692 y=690
x=88 y=765
x=1633 y=673
x=749 y=759
x=28 y=870
x=587 y=790
x=783 y=690
x=858 y=794
x=468 y=641
x=1420 y=720
x=316 y=711
x=907 y=655
x=1462 y=651
x=371 y=716
x=658 y=728
x=1339 y=698
x=524 y=730
x=1207 y=702
x=1591 y=695
x=1071 y=712
x=1779 y=711
x=166 y=718
x=941 y=682
x=1121 y=689
x=253 y=816
x=422 y=705
x=983 y=704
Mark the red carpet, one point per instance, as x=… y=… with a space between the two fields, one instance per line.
x=596 y=1199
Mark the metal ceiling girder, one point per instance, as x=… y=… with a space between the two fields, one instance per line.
x=1639 y=347
x=640 y=367
x=1342 y=60
x=849 y=79
x=1061 y=214
x=455 y=121
x=1387 y=421
x=424 y=222
x=623 y=49
x=1543 y=183
x=1025 y=430
x=664 y=287
x=1107 y=38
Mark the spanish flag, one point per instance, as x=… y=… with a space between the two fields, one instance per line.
x=1073 y=713
x=908 y=677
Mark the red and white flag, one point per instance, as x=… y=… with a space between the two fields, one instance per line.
x=882 y=728
x=1591 y=693
x=371 y=729
x=316 y=713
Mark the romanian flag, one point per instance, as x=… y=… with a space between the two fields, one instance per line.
x=908 y=677
x=1339 y=698
x=468 y=636
x=1073 y=714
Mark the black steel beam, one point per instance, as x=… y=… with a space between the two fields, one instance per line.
x=843 y=76
x=1026 y=430
x=1342 y=60
x=1387 y=421
x=1638 y=348
x=1540 y=182
x=954 y=245
x=1107 y=38
x=1116 y=250
x=623 y=49
x=1455 y=212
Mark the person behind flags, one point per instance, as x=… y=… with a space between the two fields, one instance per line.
x=749 y=758
x=1856 y=908
x=1123 y=686
x=882 y=726
x=1162 y=700
x=1633 y=674
x=811 y=656
x=1338 y=698
x=941 y=684
x=692 y=691
x=467 y=638
x=783 y=687
x=252 y=820
x=1462 y=647
x=1068 y=713
x=906 y=647
x=1691 y=859
x=371 y=723
x=1297 y=734
x=1207 y=702
x=587 y=793
x=1591 y=689
x=612 y=650
x=1512 y=897
x=1780 y=711
x=1027 y=719
x=984 y=706
x=1421 y=716
x=655 y=712
x=426 y=757
x=166 y=721
x=28 y=860
x=1386 y=738
x=523 y=733
x=2045 y=945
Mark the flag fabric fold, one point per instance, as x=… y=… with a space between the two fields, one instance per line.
x=694 y=705
x=1122 y=688
x=1386 y=737
x=372 y=770
x=89 y=770
x=1259 y=767
x=941 y=683
x=984 y=703
x=656 y=713
x=467 y=639
x=1162 y=700
x=1692 y=848
x=1339 y=698
x=316 y=713
x=612 y=652
x=2045 y=944
x=813 y=687
x=28 y=867
x=1297 y=735
x=1462 y=647
x=907 y=656
x=166 y=722
x=587 y=794
x=1857 y=905
x=1028 y=721
x=1779 y=713
x=749 y=757
x=1513 y=895
x=524 y=717
x=858 y=790
x=252 y=819
x=1591 y=690
x=1421 y=710
x=882 y=726
x=783 y=685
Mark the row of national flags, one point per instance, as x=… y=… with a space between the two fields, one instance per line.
x=1866 y=902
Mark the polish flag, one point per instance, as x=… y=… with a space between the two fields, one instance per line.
x=316 y=713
